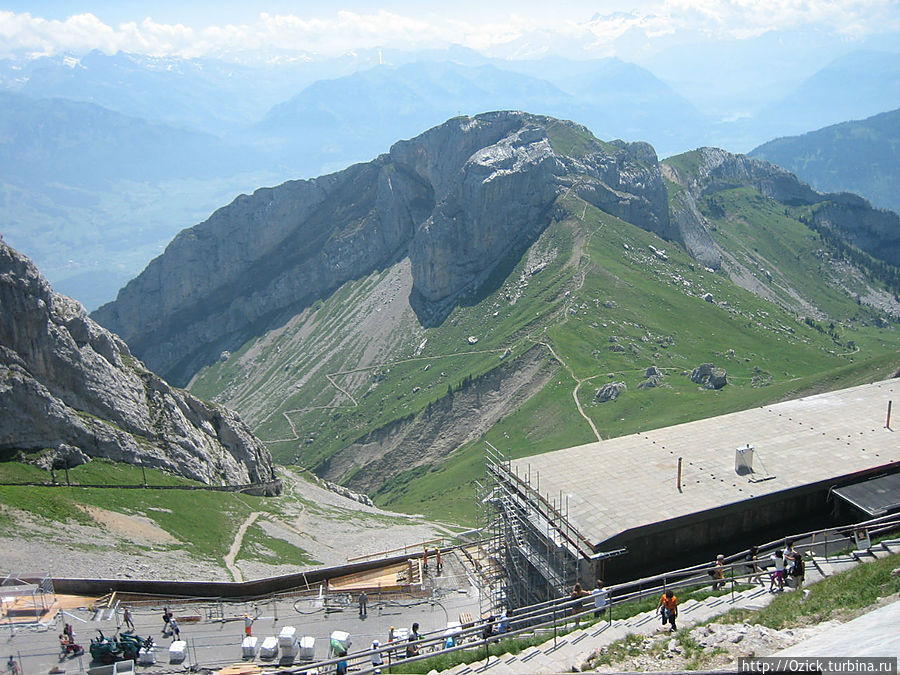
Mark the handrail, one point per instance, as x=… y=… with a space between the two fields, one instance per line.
x=558 y=610
x=404 y=549
x=682 y=576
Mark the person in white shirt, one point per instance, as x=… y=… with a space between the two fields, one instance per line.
x=778 y=574
x=601 y=599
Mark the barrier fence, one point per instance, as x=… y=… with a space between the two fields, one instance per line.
x=552 y=617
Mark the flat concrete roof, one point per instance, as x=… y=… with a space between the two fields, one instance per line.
x=623 y=483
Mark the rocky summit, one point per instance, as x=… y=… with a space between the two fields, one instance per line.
x=71 y=390
x=456 y=200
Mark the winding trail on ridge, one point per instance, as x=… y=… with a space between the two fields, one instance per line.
x=236 y=546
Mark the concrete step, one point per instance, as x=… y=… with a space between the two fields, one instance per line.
x=688 y=606
x=892 y=545
x=534 y=660
x=644 y=619
x=836 y=565
x=496 y=666
x=863 y=555
x=880 y=552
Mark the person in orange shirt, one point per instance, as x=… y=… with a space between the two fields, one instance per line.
x=668 y=606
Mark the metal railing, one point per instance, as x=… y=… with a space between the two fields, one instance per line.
x=556 y=614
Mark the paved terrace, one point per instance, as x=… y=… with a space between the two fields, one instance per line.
x=616 y=485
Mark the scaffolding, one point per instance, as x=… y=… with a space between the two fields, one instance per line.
x=535 y=553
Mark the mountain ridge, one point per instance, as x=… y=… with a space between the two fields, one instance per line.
x=432 y=193
x=858 y=156
x=473 y=271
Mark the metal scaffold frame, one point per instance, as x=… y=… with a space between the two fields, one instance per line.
x=534 y=550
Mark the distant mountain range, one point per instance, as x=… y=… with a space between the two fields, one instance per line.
x=226 y=128
x=860 y=156
x=93 y=194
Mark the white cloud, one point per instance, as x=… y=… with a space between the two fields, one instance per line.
x=346 y=30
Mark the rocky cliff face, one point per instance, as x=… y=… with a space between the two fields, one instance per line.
x=456 y=200
x=69 y=386
x=876 y=231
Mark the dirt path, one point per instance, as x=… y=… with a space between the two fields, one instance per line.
x=575 y=391
x=236 y=546
x=576 y=258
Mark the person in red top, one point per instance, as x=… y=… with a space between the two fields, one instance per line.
x=668 y=606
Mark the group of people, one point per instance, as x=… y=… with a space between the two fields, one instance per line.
x=170 y=625
x=67 y=642
x=599 y=594
x=786 y=563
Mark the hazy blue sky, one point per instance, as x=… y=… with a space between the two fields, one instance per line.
x=513 y=29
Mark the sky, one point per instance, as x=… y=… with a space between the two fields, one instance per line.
x=519 y=29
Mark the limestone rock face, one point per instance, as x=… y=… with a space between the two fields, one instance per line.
x=875 y=231
x=69 y=385
x=693 y=231
x=457 y=200
x=719 y=170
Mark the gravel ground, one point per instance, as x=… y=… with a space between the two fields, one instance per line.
x=328 y=526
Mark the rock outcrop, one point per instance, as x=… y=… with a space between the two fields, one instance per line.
x=458 y=200
x=709 y=377
x=610 y=391
x=73 y=389
x=875 y=231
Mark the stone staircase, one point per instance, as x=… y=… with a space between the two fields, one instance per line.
x=567 y=651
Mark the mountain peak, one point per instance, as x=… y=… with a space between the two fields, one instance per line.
x=456 y=200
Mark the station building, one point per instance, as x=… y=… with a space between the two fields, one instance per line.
x=652 y=501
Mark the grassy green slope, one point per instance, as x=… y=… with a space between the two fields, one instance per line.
x=593 y=291
x=204 y=522
x=654 y=309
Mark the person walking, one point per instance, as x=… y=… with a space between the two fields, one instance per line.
x=440 y=562
x=378 y=657
x=363 y=604
x=577 y=592
x=778 y=574
x=126 y=617
x=668 y=606
x=752 y=564
x=790 y=559
x=601 y=599
x=342 y=666
x=718 y=572
x=175 y=630
x=167 y=617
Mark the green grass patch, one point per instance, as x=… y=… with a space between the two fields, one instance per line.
x=261 y=547
x=855 y=589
